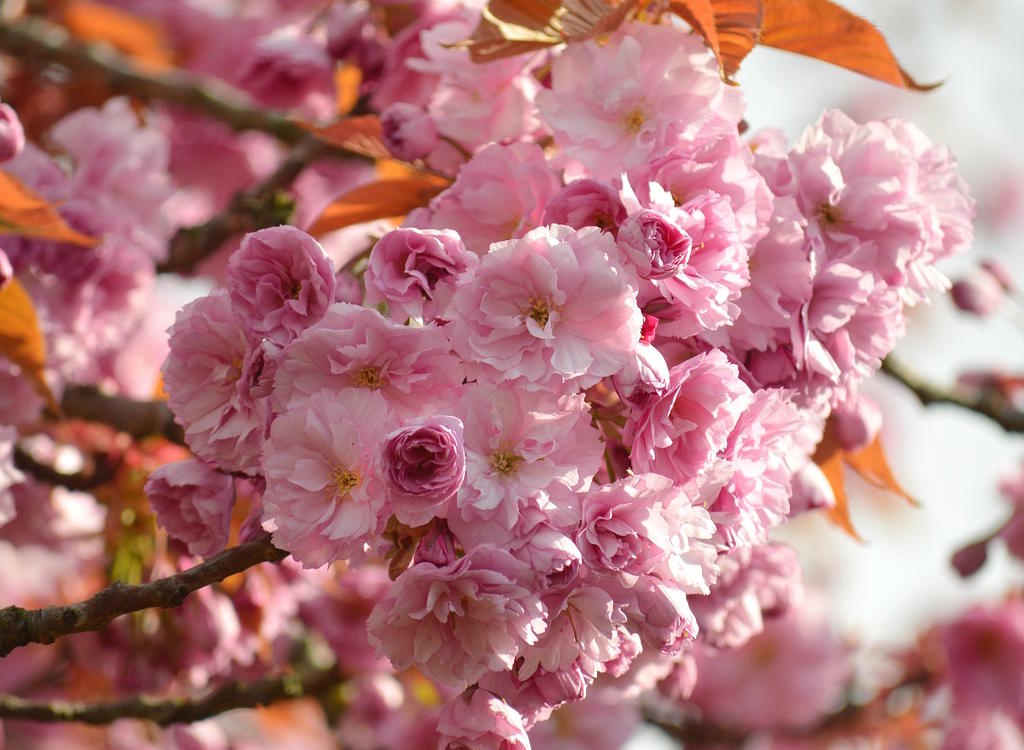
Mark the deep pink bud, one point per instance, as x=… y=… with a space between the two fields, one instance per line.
x=12 y=136
x=857 y=423
x=980 y=294
x=424 y=463
x=655 y=246
x=409 y=132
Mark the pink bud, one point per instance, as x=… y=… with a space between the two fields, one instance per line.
x=12 y=135
x=1001 y=273
x=980 y=294
x=409 y=132
x=857 y=423
x=969 y=560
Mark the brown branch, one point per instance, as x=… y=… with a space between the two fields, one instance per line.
x=77 y=482
x=138 y=418
x=263 y=205
x=987 y=402
x=33 y=40
x=21 y=626
x=165 y=711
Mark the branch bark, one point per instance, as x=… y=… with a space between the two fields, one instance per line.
x=19 y=627
x=78 y=482
x=165 y=711
x=138 y=418
x=33 y=40
x=988 y=403
x=263 y=205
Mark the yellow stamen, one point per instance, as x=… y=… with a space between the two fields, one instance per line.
x=368 y=377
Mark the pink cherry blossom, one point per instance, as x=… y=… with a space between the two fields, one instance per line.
x=500 y=193
x=280 y=282
x=458 y=621
x=354 y=347
x=480 y=720
x=615 y=104
x=425 y=465
x=193 y=502
x=12 y=135
x=209 y=376
x=586 y=202
x=325 y=490
x=552 y=310
x=288 y=72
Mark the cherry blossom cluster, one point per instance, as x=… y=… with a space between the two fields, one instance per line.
x=571 y=397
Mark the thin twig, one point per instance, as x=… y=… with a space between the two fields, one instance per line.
x=21 y=626
x=138 y=418
x=77 y=482
x=263 y=205
x=986 y=402
x=33 y=40
x=165 y=711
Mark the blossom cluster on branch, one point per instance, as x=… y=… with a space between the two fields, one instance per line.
x=525 y=451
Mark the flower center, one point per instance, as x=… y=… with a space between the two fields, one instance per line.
x=634 y=120
x=829 y=213
x=345 y=479
x=368 y=377
x=296 y=289
x=505 y=462
x=538 y=310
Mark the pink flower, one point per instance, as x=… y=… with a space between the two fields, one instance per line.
x=499 y=193
x=615 y=104
x=654 y=245
x=755 y=497
x=786 y=678
x=584 y=203
x=325 y=491
x=289 y=72
x=456 y=622
x=680 y=433
x=425 y=464
x=414 y=271
x=408 y=132
x=984 y=650
x=280 y=282
x=479 y=720
x=354 y=347
x=552 y=310
x=983 y=730
x=752 y=583
x=522 y=448
x=631 y=527
x=723 y=166
x=209 y=375
x=193 y=502
x=883 y=198
x=12 y=136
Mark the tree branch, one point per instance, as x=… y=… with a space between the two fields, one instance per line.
x=35 y=40
x=986 y=402
x=263 y=205
x=165 y=711
x=78 y=482
x=21 y=626
x=138 y=418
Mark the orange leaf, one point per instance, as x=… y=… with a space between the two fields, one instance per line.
x=871 y=464
x=347 y=80
x=730 y=27
x=823 y=30
x=829 y=458
x=21 y=340
x=24 y=213
x=512 y=27
x=360 y=134
x=378 y=200
x=140 y=39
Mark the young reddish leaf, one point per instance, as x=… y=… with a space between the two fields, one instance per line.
x=730 y=27
x=140 y=39
x=871 y=464
x=829 y=458
x=361 y=134
x=512 y=27
x=826 y=31
x=24 y=213
x=21 y=340
x=387 y=198
x=347 y=80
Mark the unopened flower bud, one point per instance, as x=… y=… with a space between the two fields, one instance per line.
x=409 y=132
x=655 y=245
x=12 y=135
x=980 y=294
x=857 y=423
